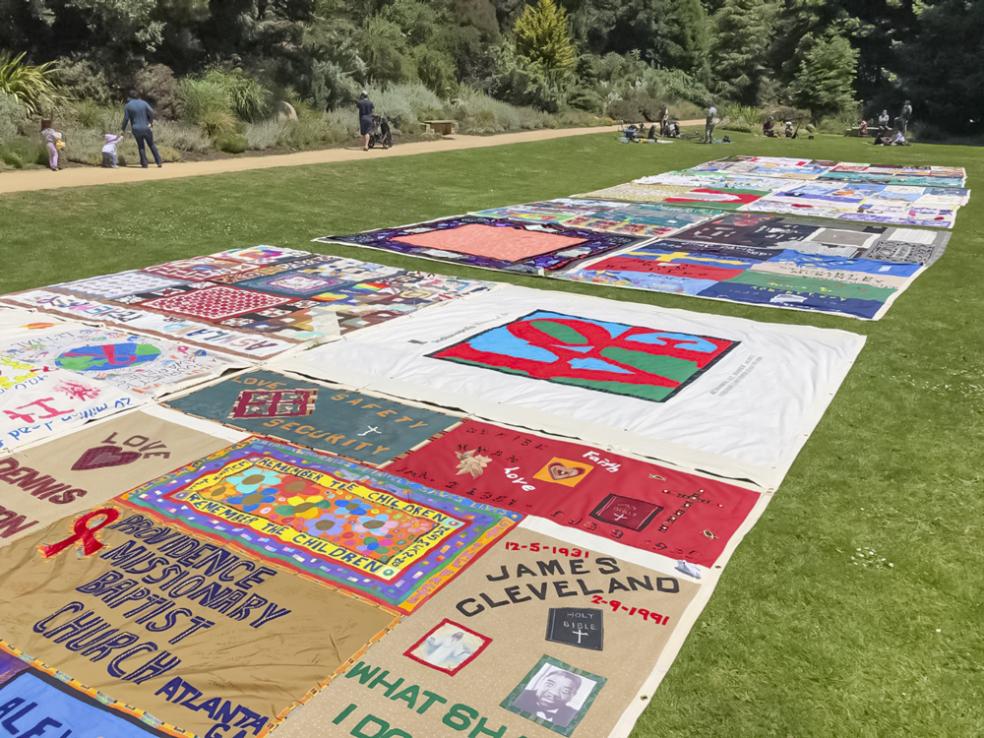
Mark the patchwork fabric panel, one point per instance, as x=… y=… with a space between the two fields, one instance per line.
x=215 y=303
x=708 y=196
x=539 y=638
x=362 y=427
x=640 y=504
x=129 y=361
x=492 y=243
x=199 y=269
x=118 y=285
x=333 y=521
x=161 y=623
x=608 y=357
x=610 y=216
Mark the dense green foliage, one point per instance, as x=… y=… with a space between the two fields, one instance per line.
x=829 y=57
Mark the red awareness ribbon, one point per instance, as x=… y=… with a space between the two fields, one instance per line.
x=84 y=533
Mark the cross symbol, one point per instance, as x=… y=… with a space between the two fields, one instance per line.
x=580 y=633
x=372 y=429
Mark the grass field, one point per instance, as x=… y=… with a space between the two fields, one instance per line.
x=799 y=639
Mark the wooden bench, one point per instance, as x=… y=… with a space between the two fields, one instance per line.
x=442 y=127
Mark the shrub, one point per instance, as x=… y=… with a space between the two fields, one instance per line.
x=742 y=118
x=265 y=135
x=584 y=98
x=404 y=104
x=13 y=114
x=202 y=97
x=250 y=99
x=479 y=113
x=436 y=70
x=157 y=83
x=217 y=123
x=32 y=84
x=232 y=143
x=83 y=79
x=181 y=136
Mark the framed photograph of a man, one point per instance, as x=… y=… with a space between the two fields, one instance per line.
x=448 y=647
x=555 y=695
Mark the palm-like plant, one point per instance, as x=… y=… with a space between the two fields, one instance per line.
x=32 y=84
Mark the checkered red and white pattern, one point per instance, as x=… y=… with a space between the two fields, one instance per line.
x=216 y=303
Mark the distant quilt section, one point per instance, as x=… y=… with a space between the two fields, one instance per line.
x=339 y=523
x=760 y=236
x=253 y=302
x=609 y=216
x=921 y=176
x=721 y=180
x=877 y=203
x=734 y=397
x=707 y=196
x=492 y=243
x=644 y=505
x=768 y=166
x=647 y=363
x=128 y=361
x=860 y=288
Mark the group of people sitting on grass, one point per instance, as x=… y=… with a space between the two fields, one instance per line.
x=889 y=132
x=137 y=114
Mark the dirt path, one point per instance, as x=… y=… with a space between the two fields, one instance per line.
x=42 y=179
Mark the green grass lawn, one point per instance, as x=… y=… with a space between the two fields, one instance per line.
x=798 y=640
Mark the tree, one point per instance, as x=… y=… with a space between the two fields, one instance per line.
x=825 y=80
x=743 y=28
x=543 y=37
x=944 y=65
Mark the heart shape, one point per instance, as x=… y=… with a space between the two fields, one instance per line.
x=562 y=471
x=103 y=456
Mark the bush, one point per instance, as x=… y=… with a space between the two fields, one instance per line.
x=232 y=143
x=265 y=135
x=403 y=104
x=157 y=84
x=32 y=84
x=13 y=115
x=584 y=98
x=83 y=79
x=479 y=113
x=436 y=70
x=181 y=136
x=203 y=97
x=742 y=118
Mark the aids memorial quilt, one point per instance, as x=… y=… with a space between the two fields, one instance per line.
x=538 y=639
x=609 y=216
x=338 y=523
x=66 y=476
x=128 y=361
x=920 y=176
x=491 y=243
x=931 y=207
x=708 y=195
x=37 y=702
x=647 y=506
x=166 y=627
x=731 y=396
x=366 y=428
x=852 y=270
x=37 y=404
x=768 y=166
x=720 y=180
x=762 y=236
x=254 y=303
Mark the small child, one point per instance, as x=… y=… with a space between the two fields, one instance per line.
x=53 y=140
x=109 y=149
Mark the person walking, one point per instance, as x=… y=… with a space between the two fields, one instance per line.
x=709 y=122
x=366 y=109
x=904 y=117
x=53 y=141
x=138 y=114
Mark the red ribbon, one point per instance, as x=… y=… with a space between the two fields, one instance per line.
x=84 y=533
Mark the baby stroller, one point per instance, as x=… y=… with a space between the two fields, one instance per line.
x=380 y=135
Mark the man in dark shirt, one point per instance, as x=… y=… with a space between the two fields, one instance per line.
x=140 y=117
x=366 y=109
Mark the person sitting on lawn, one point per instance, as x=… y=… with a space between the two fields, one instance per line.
x=769 y=127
